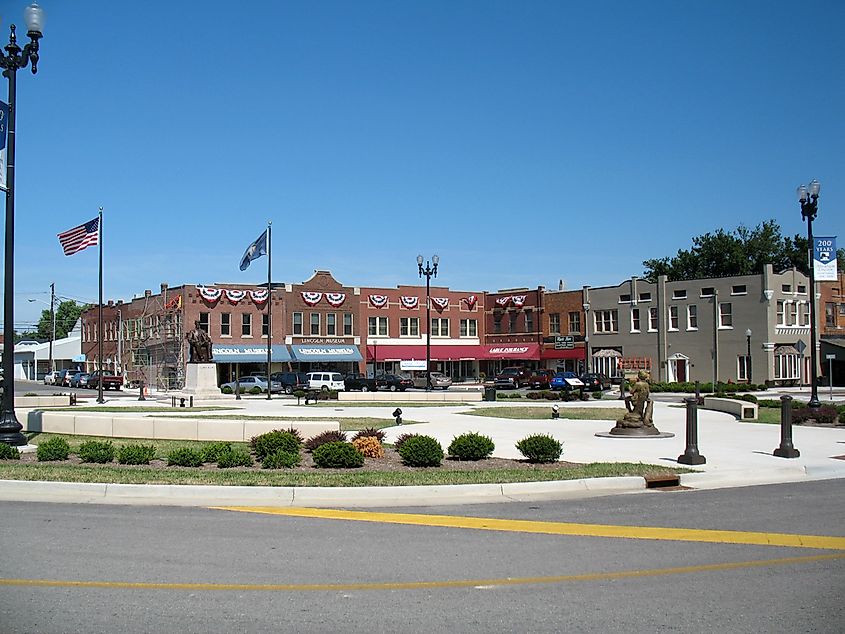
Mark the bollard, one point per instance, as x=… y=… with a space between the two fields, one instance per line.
x=182 y=401
x=141 y=390
x=191 y=402
x=555 y=411
x=238 y=389
x=786 y=450
x=691 y=455
x=172 y=401
x=397 y=414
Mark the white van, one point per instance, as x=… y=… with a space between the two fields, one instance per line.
x=325 y=381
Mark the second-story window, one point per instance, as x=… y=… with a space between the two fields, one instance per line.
x=725 y=315
x=297 y=323
x=409 y=327
x=554 y=324
x=315 y=323
x=246 y=325
x=673 y=318
x=606 y=321
x=469 y=328
x=347 y=324
x=574 y=322
x=497 y=323
x=204 y=321
x=439 y=326
x=512 y=323
x=635 y=320
x=265 y=325
x=331 y=324
x=377 y=326
x=652 y=318
x=225 y=324
x=692 y=317
x=529 y=321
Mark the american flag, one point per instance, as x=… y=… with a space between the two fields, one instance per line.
x=78 y=238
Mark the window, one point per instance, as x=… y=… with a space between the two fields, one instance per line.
x=743 y=365
x=574 y=323
x=673 y=318
x=645 y=297
x=265 y=325
x=708 y=291
x=347 y=324
x=652 y=319
x=469 y=328
x=830 y=314
x=409 y=327
x=497 y=323
x=204 y=321
x=624 y=299
x=226 y=324
x=679 y=294
x=692 y=317
x=786 y=288
x=377 y=326
x=529 y=320
x=554 y=324
x=780 y=309
x=842 y=310
x=246 y=325
x=725 y=315
x=803 y=313
x=512 y=321
x=606 y=321
x=315 y=323
x=739 y=289
x=791 y=314
x=802 y=290
x=331 y=324
x=635 y=320
x=439 y=326
x=786 y=366
x=297 y=323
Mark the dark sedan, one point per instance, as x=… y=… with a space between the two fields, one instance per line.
x=394 y=382
x=595 y=381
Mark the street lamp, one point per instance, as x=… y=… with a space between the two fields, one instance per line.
x=13 y=59
x=428 y=271
x=748 y=358
x=808 y=196
x=586 y=306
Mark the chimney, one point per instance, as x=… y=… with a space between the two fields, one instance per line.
x=163 y=288
x=110 y=303
x=148 y=293
x=560 y=285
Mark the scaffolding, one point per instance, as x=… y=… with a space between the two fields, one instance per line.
x=156 y=343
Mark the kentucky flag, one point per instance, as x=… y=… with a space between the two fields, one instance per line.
x=254 y=251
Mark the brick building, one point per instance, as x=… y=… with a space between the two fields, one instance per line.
x=832 y=329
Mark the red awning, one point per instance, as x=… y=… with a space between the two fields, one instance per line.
x=438 y=353
x=512 y=351
x=573 y=353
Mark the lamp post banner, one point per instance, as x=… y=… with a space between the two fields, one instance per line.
x=4 y=118
x=824 y=259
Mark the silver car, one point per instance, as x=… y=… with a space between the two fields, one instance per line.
x=249 y=382
x=438 y=380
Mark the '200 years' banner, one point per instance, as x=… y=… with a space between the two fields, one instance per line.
x=824 y=259
x=4 y=119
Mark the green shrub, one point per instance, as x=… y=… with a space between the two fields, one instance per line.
x=551 y=395
x=136 y=454
x=226 y=389
x=184 y=457
x=96 y=451
x=401 y=439
x=273 y=441
x=211 y=452
x=338 y=455
x=281 y=460
x=7 y=452
x=255 y=390
x=421 y=451
x=233 y=458
x=370 y=431
x=540 y=448
x=471 y=446
x=321 y=439
x=597 y=394
x=54 y=449
x=824 y=415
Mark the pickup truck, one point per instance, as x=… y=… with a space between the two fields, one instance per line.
x=109 y=381
x=540 y=379
x=513 y=377
x=358 y=381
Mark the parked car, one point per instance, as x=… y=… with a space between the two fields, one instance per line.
x=291 y=381
x=595 y=381
x=394 y=382
x=325 y=381
x=50 y=377
x=63 y=377
x=246 y=383
x=540 y=379
x=358 y=381
x=512 y=378
x=275 y=386
x=108 y=380
x=438 y=379
x=565 y=381
x=79 y=379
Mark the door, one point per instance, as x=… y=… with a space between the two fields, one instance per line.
x=681 y=370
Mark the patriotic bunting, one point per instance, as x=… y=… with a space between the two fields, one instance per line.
x=440 y=303
x=211 y=295
x=470 y=301
x=335 y=299
x=259 y=297
x=311 y=298
x=234 y=295
x=503 y=301
x=518 y=300
x=378 y=301
x=409 y=302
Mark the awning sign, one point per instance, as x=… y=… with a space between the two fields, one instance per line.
x=412 y=365
x=824 y=259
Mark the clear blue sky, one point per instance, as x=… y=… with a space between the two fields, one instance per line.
x=523 y=142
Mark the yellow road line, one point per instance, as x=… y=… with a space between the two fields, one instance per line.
x=560 y=528
x=415 y=585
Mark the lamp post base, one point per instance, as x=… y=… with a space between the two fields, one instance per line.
x=10 y=430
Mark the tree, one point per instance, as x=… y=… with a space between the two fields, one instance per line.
x=67 y=314
x=743 y=251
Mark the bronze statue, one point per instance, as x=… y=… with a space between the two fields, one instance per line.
x=638 y=418
x=200 y=345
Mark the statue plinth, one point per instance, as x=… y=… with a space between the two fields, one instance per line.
x=201 y=381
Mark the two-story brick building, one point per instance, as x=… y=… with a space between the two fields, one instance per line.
x=832 y=329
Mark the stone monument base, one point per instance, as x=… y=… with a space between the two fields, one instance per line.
x=201 y=381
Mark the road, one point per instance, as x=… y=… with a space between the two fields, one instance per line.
x=540 y=567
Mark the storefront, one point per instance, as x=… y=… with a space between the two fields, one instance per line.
x=566 y=360
x=343 y=359
x=460 y=362
x=245 y=360
x=498 y=356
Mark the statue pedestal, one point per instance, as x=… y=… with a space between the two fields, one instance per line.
x=201 y=381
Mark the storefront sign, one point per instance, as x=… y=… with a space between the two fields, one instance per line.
x=564 y=342
x=322 y=341
x=508 y=350
x=412 y=365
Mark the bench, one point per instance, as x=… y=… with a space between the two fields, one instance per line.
x=743 y=410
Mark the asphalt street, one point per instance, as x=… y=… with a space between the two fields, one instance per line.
x=139 y=569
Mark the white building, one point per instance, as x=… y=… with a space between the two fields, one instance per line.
x=32 y=359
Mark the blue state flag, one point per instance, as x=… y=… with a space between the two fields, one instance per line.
x=254 y=251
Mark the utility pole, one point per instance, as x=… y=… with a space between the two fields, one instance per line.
x=53 y=321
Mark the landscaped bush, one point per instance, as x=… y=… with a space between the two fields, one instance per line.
x=421 y=451
x=321 y=439
x=748 y=398
x=551 y=395
x=540 y=448
x=281 y=460
x=471 y=446
x=53 y=449
x=7 y=452
x=338 y=455
x=136 y=454
x=769 y=402
x=212 y=451
x=233 y=458
x=184 y=457
x=401 y=439
x=597 y=394
x=96 y=451
x=369 y=431
x=369 y=446
x=226 y=389
x=824 y=415
x=273 y=441
x=689 y=387
x=255 y=390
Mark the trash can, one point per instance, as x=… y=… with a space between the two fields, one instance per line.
x=489 y=393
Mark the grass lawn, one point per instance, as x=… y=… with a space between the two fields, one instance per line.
x=768 y=415
x=143 y=409
x=542 y=413
x=347 y=423
x=163 y=447
x=387 y=404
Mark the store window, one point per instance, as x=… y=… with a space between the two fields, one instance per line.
x=297 y=323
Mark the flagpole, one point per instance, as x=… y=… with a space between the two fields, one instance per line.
x=100 y=314
x=269 y=304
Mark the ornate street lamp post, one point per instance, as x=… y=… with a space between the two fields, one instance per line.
x=586 y=307
x=748 y=358
x=13 y=59
x=429 y=270
x=808 y=196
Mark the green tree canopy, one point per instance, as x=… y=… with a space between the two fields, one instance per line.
x=742 y=251
x=67 y=313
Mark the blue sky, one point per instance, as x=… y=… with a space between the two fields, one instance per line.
x=523 y=142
